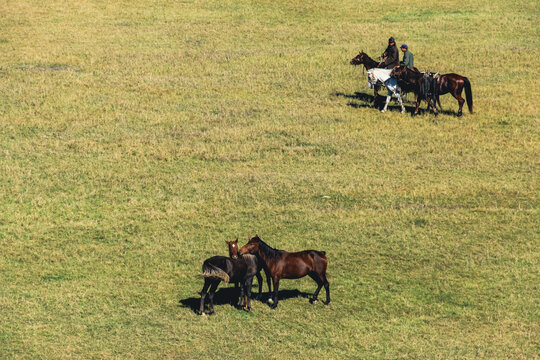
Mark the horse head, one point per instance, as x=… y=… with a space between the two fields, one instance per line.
x=252 y=246
x=233 y=248
x=358 y=59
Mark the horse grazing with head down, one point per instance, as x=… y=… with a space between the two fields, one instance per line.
x=285 y=265
x=454 y=84
x=424 y=87
x=447 y=83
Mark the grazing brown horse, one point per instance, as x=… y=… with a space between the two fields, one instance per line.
x=222 y=268
x=363 y=59
x=285 y=265
x=424 y=87
x=233 y=253
x=454 y=84
x=447 y=83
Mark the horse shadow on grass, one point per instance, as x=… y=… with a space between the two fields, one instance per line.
x=379 y=104
x=229 y=296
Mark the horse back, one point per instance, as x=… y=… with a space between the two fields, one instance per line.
x=450 y=82
x=298 y=264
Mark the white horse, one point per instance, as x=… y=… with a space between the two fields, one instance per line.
x=383 y=75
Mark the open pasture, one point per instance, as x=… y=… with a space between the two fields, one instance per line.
x=137 y=136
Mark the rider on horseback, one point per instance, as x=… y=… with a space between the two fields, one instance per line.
x=390 y=55
x=408 y=58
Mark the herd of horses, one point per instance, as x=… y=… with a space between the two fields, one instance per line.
x=243 y=264
x=402 y=79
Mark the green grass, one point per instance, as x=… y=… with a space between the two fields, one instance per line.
x=137 y=136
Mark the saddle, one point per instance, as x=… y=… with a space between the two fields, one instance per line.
x=429 y=86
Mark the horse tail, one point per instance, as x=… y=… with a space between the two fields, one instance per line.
x=213 y=272
x=468 y=93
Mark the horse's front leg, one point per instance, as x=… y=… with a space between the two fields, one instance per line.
x=400 y=102
x=375 y=95
x=248 y=284
x=269 y=282
x=276 y=288
x=388 y=97
x=260 y=281
x=240 y=303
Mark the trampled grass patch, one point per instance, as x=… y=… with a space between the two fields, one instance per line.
x=137 y=137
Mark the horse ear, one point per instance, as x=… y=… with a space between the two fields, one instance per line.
x=236 y=241
x=226 y=242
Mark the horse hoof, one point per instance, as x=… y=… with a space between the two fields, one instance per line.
x=436 y=114
x=326 y=303
x=313 y=301
x=383 y=111
x=270 y=301
x=203 y=314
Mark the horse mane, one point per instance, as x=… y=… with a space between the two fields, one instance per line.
x=415 y=74
x=266 y=249
x=373 y=62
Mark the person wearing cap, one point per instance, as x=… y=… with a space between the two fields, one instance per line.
x=408 y=58
x=390 y=55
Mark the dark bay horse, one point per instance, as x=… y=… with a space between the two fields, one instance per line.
x=424 y=87
x=454 y=84
x=285 y=265
x=447 y=83
x=363 y=59
x=222 y=268
x=233 y=253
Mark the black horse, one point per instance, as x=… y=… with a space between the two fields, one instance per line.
x=233 y=253
x=222 y=268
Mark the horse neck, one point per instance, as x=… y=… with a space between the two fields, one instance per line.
x=414 y=75
x=369 y=63
x=266 y=253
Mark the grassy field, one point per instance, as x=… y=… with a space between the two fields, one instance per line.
x=136 y=137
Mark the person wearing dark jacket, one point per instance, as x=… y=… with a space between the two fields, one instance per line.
x=390 y=55
x=408 y=58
